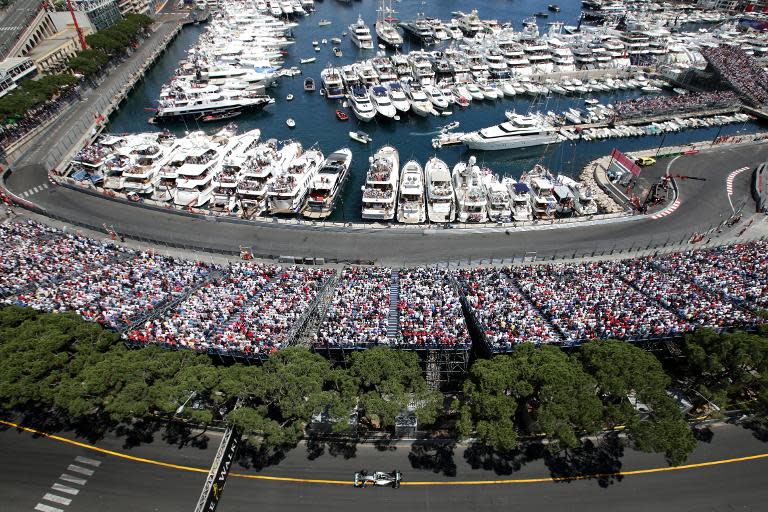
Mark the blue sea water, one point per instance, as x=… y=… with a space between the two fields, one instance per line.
x=315 y=118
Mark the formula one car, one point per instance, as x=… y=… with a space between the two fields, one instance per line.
x=378 y=478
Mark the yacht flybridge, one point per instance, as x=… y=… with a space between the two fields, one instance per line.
x=327 y=184
x=380 y=190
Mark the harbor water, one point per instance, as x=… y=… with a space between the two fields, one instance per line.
x=316 y=122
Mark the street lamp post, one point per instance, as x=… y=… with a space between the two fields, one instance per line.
x=180 y=408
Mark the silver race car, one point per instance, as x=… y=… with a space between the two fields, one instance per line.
x=378 y=478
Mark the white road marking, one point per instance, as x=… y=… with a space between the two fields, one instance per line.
x=86 y=460
x=47 y=508
x=78 y=469
x=72 y=479
x=55 y=498
x=65 y=489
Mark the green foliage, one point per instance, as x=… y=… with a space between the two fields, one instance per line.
x=120 y=35
x=31 y=93
x=389 y=381
x=726 y=368
x=542 y=388
x=621 y=369
x=88 y=62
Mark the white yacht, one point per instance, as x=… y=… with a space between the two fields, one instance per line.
x=420 y=104
x=386 y=31
x=360 y=34
x=498 y=205
x=441 y=201
x=543 y=202
x=398 y=97
x=380 y=99
x=520 y=199
x=194 y=185
x=380 y=190
x=327 y=185
x=410 y=205
x=584 y=199
x=470 y=193
x=258 y=173
x=436 y=96
x=519 y=132
x=231 y=171
x=332 y=83
x=288 y=191
x=361 y=104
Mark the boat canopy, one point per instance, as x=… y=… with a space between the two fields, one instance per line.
x=521 y=188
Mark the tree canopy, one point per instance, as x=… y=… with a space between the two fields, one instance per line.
x=88 y=62
x=32 y=93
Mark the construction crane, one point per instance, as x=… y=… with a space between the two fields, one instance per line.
x=77 y=26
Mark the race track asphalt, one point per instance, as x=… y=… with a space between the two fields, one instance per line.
x=30 y=466
x=703 y=204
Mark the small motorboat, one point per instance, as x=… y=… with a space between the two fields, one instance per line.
x=290 y=122
x=396 y=118
x=219 y=116
x=315 y=43
x=324 y=41
x=342 y=115
x=541 y=14
x=289 y=97
x=446 y=113
x=308 y=60
x=591 y=101
x=337 y=51
x=450 y=126
x=323 y=23
x=309 y=84
x=553 y=7
x=317 y=48
x=336 y=40
x=360 y=137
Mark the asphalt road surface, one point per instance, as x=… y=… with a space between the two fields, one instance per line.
x=14 y=21
x=703 y=204
x=33 y=467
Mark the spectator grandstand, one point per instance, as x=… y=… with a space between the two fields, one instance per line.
x=251 y=310
x=649 y=106
x=740 y=70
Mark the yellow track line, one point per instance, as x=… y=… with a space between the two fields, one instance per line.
x=349 y=482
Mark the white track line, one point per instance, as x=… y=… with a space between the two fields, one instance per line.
x=78 y=469
x=65 y=489
x=72 y=479
x=55 y=498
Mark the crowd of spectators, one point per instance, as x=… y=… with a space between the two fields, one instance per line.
x=740 y=70
x=670 y=105
x=357 y=314
x=504 y=316
x=587 y=301
x=33 y=118
x=265 y=324
x=36 y=255
x=250 y=308
x=738 y=272
x=682 y=296
x=199 y=321
x=430 y=312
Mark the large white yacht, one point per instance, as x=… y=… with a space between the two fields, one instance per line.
x=194 y=185
x=520 y=132
x=380 y=99
x=410 y=205
x=386 y=31
x=584 y=199
x=327 y=185
x=143 y=175
x=190 y=99
x=230 y=173
x=332 y=83
x=543 y=202
x=258 y=173
x=441 y=201
x=470 y=193
x=420 y=104
x=361 y=104
x=380 y=190
x=520 y=199
x=498 y=199
x=360 y=34
x=288 y=191
x=398 y=97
